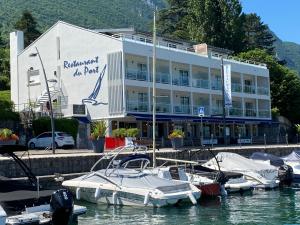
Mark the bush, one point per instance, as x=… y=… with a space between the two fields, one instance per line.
x=6 y=111
x=98 y=130
x=43 y=124
x=176 y=134
x=119 y=133
x=132 y=132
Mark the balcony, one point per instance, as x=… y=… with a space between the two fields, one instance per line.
x=182 y=109
x=236 y=87
x=137 y=106
x=216 y=85
x=163 y=78
x=181 y=81
x=249 y=89
x=236 y=112
x=200 y=83
x=262 y=91
x=250 y=112
x=162 y=107
x=264 y=113
x=133 y=74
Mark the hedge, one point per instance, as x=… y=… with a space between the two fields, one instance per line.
x=43 y=124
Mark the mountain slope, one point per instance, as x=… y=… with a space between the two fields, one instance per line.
x=89 y=14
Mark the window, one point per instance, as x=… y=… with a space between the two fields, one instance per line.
x=184 y=100
x=45 y=135
x=184 y=77
x=142 y=67
x=142 y=97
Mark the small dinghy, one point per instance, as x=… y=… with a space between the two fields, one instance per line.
x=261 y=175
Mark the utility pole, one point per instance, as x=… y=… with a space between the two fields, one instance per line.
x=154 y=90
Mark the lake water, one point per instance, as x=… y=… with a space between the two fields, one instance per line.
x=262 y=207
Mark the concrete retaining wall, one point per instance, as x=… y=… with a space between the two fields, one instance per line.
x=82 y=162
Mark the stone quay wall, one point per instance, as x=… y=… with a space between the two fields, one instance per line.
x=48 y=164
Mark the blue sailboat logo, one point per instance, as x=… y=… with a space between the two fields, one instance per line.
x=92 y=98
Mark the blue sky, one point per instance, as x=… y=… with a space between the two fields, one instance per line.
x=282 y=16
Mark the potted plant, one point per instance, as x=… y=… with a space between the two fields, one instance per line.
x=98 y=135
x=7 y=137
x=131 y=135
x=176 y=137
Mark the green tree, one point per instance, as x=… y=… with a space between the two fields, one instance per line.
x=28 y=25
x=257 y=34
x=172 y=21
x=216 y=22
x=4 y=69
x=284 y=83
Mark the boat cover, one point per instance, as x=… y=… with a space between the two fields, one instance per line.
x=236 y=163
x=294 y=156
x=274 y=160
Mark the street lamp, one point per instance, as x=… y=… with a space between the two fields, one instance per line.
x=49 y=98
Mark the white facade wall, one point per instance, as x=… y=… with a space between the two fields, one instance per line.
x=58 y=48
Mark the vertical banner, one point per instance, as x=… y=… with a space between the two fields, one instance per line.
x=227 y=85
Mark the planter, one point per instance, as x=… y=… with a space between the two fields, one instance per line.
x=176 y=143
x=112 y=142
x=98 y=145
x=8 y=142
x=129 y=140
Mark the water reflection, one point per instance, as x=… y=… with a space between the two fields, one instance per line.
x=263 y=207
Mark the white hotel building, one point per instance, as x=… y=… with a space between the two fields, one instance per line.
x=106 y=74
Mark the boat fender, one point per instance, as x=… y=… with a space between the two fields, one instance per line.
x=114 y=198
x=146 y=199
x=192 y=198
x=78 y=193
x=97 y=193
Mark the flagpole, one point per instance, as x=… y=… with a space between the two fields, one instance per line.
x=223 y=96
x=154 y=90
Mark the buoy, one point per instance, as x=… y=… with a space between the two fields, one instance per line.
x=146 y=199
x=97 y=193
x=114 y=198
x=78 y=193
x=192 y=198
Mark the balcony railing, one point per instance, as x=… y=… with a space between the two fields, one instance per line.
x=216 y=111
x=264 y=113
x=163 y=78
x=249 y=89
x=206 y=109
x=250 y=112
x=200 y=83
x=216 y=85
x=236 y=112
x=182 y=109
x=137 y=106
x=162 y=107
x=133 y=74
x=236 y=87
x=262 y=91
x=181 y=81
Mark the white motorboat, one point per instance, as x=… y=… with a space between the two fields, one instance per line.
x=260 y=174
x=286 y=173
x=120 y=185
x=293 y=160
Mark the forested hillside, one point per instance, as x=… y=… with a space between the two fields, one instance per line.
x=89 y=14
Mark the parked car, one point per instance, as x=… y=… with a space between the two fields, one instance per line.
x=44 y=140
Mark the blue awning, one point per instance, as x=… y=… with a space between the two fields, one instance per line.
x=83 y=119
x=205 y=119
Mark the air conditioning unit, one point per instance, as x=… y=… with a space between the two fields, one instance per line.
x=79 y=110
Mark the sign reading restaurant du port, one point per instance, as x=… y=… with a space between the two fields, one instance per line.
x=83 y=67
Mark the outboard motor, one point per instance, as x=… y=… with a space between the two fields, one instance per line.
x=61 y=207
x=221 y=178
x=285 y=174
